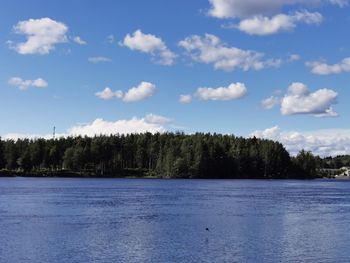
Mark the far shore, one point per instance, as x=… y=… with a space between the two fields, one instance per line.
x=123 y=175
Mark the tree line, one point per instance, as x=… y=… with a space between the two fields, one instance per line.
x=336 y=162
x=165 y=155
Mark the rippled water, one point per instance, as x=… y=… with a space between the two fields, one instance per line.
x=121 y=220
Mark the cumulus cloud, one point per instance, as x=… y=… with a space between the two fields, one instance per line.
x=150 y=44
x=270 y=102
x=79 y=40
x=150 y=123
x=98 y=59
x=184 y=99
x=100 y=126
x=270 y=133
x=232 y=92
x=263 y=25
x=26 y=84
x=211 y=50
x=16 y=136
x=321 y=68
x=42 y=36
x=142 y=91
x=321 y=142
x=156 y=119
x=108 y=94
x=299 y=100
x=248 y=8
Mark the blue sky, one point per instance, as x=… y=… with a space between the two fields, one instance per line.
x=264 y=48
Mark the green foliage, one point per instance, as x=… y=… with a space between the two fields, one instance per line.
x=2 y=155
x=11 y=154
x=167 y=155
x=335 y=162
x=305 y=164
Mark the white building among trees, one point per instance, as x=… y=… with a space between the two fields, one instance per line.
x=345 y=171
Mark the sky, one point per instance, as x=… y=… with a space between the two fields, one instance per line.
x=275 y=69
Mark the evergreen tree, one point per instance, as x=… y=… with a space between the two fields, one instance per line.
x=169 y=155
x=305 y=163
x=2 y=154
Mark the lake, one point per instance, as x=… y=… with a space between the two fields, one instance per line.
x=138 y=220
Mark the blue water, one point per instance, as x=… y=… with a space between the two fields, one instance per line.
x=122 y=220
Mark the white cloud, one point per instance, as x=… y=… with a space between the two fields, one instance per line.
x=321 y=142
x=100 y=126
x=156 y=119
x=79 y=40
x=263 y=25
x=98 y=59
x=150 y=44
x=210 y=50
x=42 y=35
x=321 y=68
x=270 y=102
x=150 y=123
x=232 y=92
x=184 y=99
x=143 y=91
x=299 y=100
x=26 y=84
x=16 y=136
x=270 y=133
x=146 y=43
x=247 y=8
x=108 y=94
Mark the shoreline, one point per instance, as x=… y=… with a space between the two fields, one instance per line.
x=21 y=174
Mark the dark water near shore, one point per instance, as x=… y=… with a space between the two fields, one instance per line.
x=122 y=220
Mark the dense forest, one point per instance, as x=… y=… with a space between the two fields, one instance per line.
x=166 y=155
x=335 y=162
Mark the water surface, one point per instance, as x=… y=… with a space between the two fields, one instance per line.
x=131 y=220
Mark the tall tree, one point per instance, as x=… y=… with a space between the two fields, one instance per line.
x=165 y=155
x=2 y=154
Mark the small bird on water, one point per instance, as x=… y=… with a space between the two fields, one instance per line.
x=207 y=229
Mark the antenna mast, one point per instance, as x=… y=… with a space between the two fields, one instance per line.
x=54 y=132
